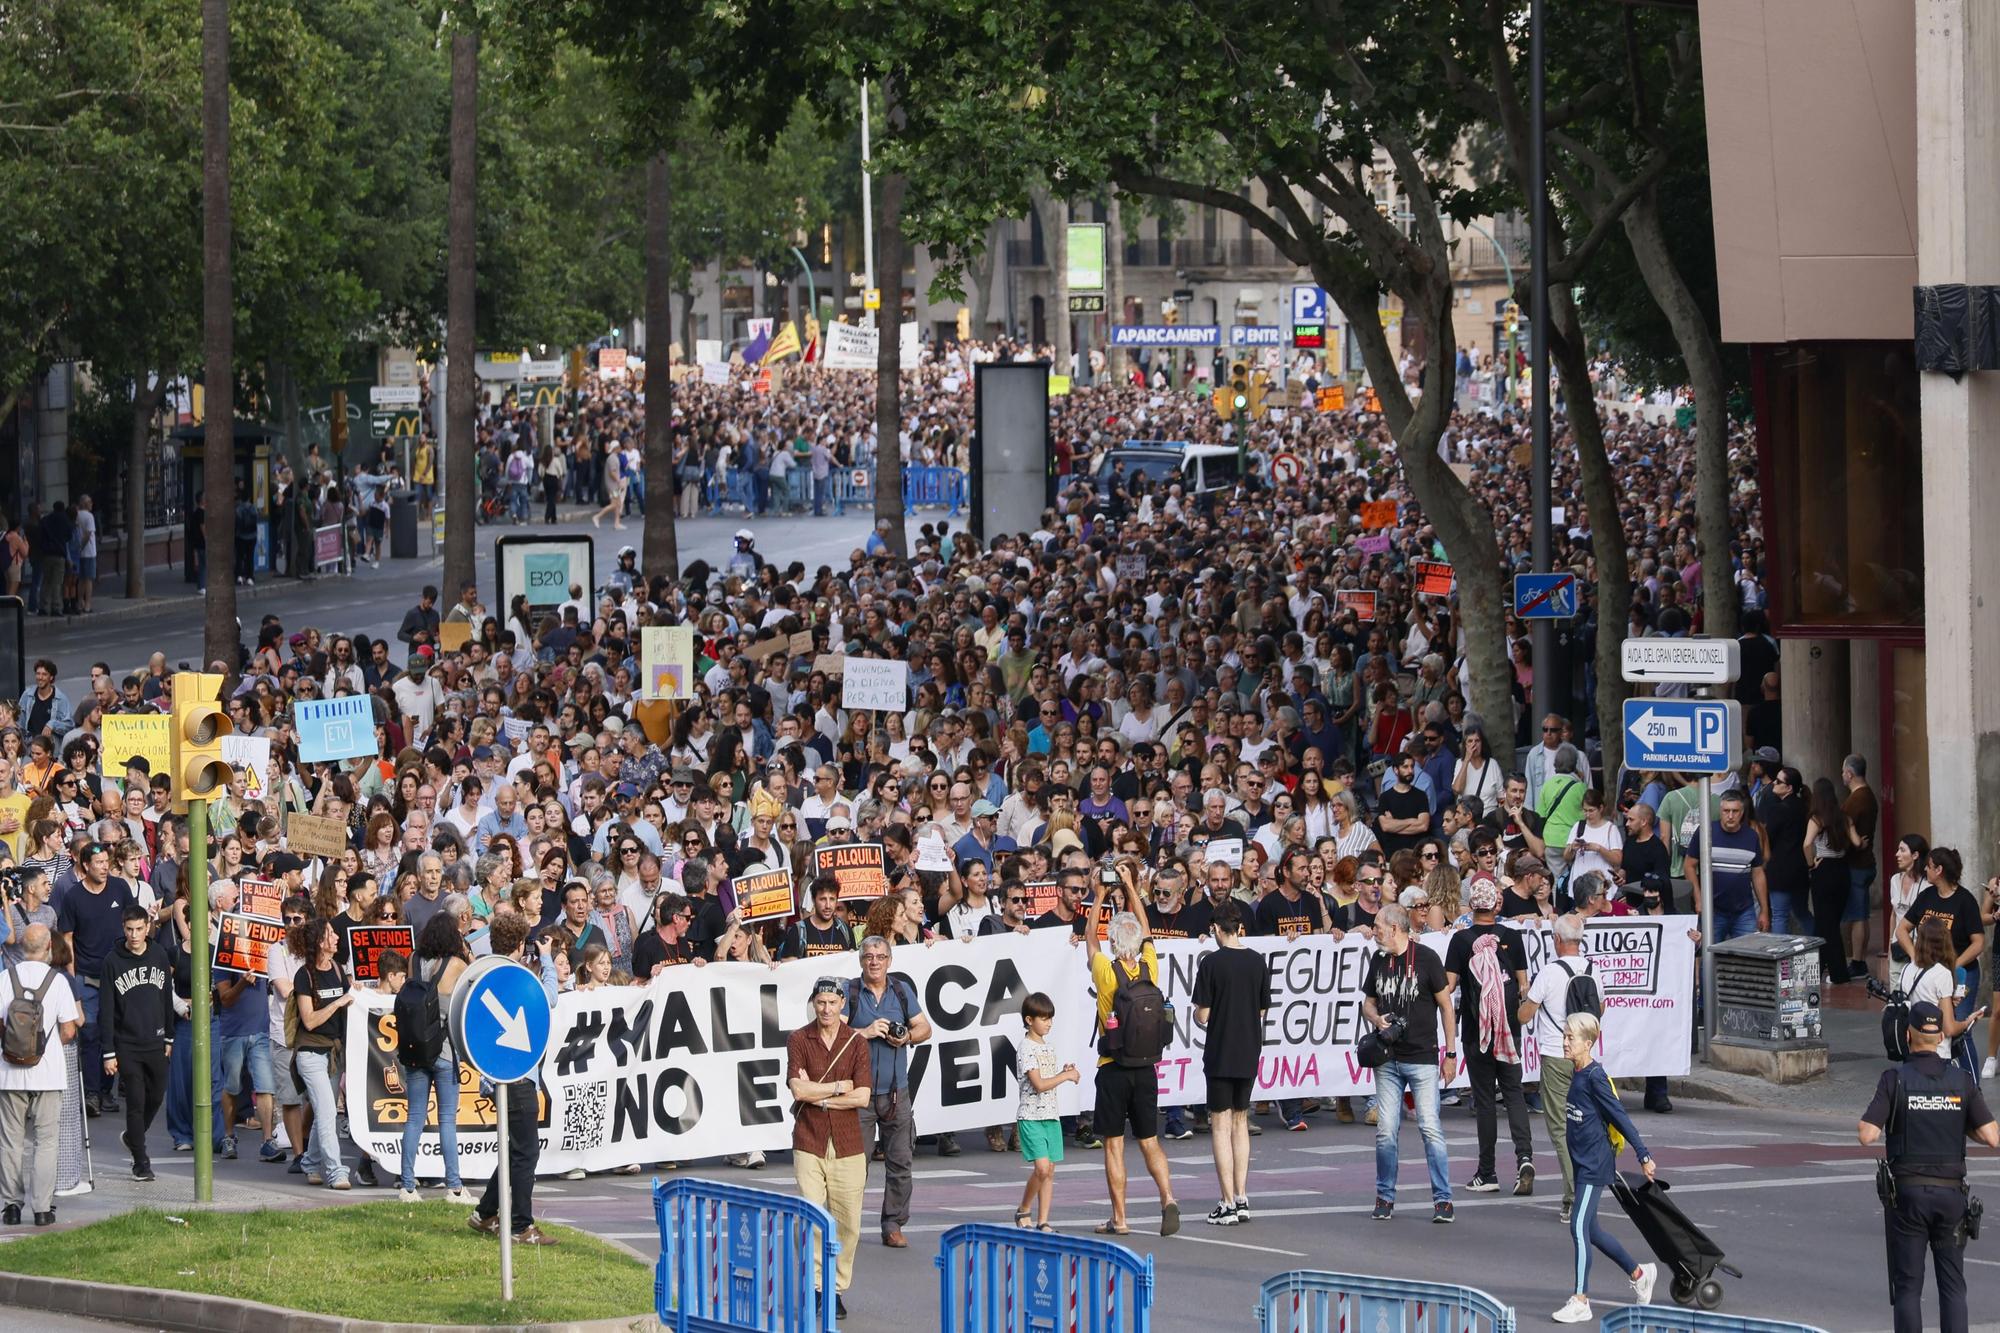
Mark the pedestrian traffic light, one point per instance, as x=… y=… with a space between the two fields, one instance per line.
x=1239 y=387
x=195 y=740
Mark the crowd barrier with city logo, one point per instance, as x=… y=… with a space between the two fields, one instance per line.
x=1309 y=1301
x=996 y=1279
x=740 y=1259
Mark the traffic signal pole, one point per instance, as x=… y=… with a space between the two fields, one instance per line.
x=1541 y=542
x=200 y=1001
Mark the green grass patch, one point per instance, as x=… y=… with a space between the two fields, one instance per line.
x=409 y=1263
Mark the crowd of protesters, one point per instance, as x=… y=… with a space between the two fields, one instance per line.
x=1169 y=713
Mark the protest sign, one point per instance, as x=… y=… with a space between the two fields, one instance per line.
x=333 y=729
x=367 y=944
x=1042 y=896
x=858 y=867
x=315 y=835
x=125 y=736
x=800 y=644
x=693 y=1065
x=764 y=648
x=250 y=756
x=1229 y=851
x=1378 y=514
x=1361 y=601
x=260 y=898
x=831 y=664
x=666 y=661
x=454 y=635
x=1131 y=568
x=934 y=853
x=873 y=682
x=1433 y=577
x=241 y=944
x=764 y=896
x=1376 y=545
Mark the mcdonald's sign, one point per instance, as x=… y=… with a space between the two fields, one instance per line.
x=544 y=395
x=397 y=425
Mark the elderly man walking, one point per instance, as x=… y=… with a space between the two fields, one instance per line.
x=826 y=1068
x=31 y=1080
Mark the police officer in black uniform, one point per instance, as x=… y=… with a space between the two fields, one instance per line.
x=1926 y=1108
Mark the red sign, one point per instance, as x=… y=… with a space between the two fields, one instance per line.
x=1286 y=469
x=1361 y=600
x=764 y=896
x=858 y=867
x=367 y=944
x=242 y=944
x=1433 y=577
x=1378 y=514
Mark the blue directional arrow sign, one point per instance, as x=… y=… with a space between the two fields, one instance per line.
x=1684 y=735
x=500 y=1019
x=1545 y=596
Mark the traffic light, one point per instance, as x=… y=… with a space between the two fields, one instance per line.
x=337 y=423
x=199 y=770
x=1221 y=400
x=1239 y=387
x=1260 y=384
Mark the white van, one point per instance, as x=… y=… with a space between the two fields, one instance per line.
x=1197 y=468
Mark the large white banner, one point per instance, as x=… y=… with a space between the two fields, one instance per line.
x=1644 y=966
x=693 y=1065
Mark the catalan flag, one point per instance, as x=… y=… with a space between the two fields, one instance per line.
x=784 y=345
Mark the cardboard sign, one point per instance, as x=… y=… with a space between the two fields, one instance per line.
x=764 y=896
x=148 y=736
x=858 y=867
x=666 y=661
x=1378 y=514
x=315 y=835
x=1131 y=568
x=764 y=648
x=241 y=945
x=800 y=644
x=367 y=944
x=1042 y=896
x=1361 y=600
x=260 y=898
x=1433 y=577
x=453 y=635
x=873 y=682
x=831 y=664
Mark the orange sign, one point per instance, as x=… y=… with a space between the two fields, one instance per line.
x=1362 y=601
x=1433 y=577
x=1378 y=514
x=764 y=896
x=243 y=943
x=1042 y=896
x=260 y=897
x=1370 y=402
x=1333 y=399
x=858 y=867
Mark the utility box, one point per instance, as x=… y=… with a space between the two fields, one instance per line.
x=1767 y=999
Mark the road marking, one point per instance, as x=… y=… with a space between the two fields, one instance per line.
x=1343 y=1148
x=947 y=1173
x=1731 y=1133
x=1237 y=1244
x=1990 y=1263
x=1723 y=1166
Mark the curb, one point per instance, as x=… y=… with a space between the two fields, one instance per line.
x=194 y=1312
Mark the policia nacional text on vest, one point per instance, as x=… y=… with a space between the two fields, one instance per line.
x=1926 y=1109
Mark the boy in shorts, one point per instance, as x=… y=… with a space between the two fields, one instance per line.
x=1038 y=1125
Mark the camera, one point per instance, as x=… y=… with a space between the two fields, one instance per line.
x=899 y=1030
x=1879 y=991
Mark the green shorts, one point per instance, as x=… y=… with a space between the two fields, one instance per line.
x=1040 y=1139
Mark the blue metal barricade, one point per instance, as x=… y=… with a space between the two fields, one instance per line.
x=741 y=1259
x=934 y=488
x=994 y=1279
x=1305 y=1301
x=1674 y=1319
x=852 y=486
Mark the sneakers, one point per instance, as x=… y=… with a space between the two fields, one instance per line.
x=183 y=1147
x=1642 y=1285
x=996 y=1141
x=270 y=1152
x=1184 y=1134
x=1086 y=1139
x=364 y=1172
x=460 y=1197
x=1243 y=1208
x=577 y=1173
x=315 y=1178
x=1576 y=1310
x=534 y=1235
x=1482 y=1184
x=485 y=1226
x=298 y=1166
x=1442 y=1214
x=228 y=1152
x=142 y=1172
x=1452 y=1099
x=1223 y=1215
x=408 y=1196
x=1524 y=1183
x=948 y=1145
x=1562 y=1214
x=1297 y=1126
x=344 y=1183
x=1991 y=1068
x=1384 y=1209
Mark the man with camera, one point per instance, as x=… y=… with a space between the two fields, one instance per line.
x=1406 y=990
x=884 y=1009
x=1926 y=1110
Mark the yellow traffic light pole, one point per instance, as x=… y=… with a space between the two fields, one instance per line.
x=199 y=772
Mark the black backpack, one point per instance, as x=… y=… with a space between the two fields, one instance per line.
x=1581 y=996
x=1142 y=1032
x=420 y=1029
x=1896 y=1025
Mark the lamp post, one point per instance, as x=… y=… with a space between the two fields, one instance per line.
x=1541 y=539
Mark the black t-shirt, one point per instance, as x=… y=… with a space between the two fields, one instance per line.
x=324 y=988
x=1643 y=859
x=1458 y=961
x=96 y=920
x=805 y=940
x=1275 y=916
x=1403 y=805
x=1234 y=985
x=1196 y=918
x=1408 y=985
x=710 y=924
x=1179 y=925
x=993 y=924
x=1050 y=921
x=1354 y=916
x=651 y=950
x=1960 y=911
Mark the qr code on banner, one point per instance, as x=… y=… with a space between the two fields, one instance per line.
x=583 y=1125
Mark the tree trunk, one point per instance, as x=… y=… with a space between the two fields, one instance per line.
x=220 y=638
x=1711 y=426
x=1055 y=229
x=889 y=357
x=145 y=402
x=1571 y=356
x=1114 y=287
x=980 y=270
x=687 y=321
x=461 y=386
x=661 y=553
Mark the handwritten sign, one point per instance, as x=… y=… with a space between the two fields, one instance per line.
x=800 y=644
x=126 y=736
x=872 y=682
x=1433 y=577
x=1378 y=514
x=831 y=664
x=260 y=898
x=666 y=661
x=764 y=896
x=764 y=648
x=1375 y=545
x=242 y=944
x=367 y=944
x=858 y=867
x=315 y=835
x=453 y=635
x=1131 y=568
x=1360 y=601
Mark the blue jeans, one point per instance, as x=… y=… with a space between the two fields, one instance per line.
x=444 y=1077
x=1787 y=910
x=322 y=1155
x=180 y=1084
x=1422 y=1082
x=90 y=1043
x=1729 y=925
x=1288 y=1112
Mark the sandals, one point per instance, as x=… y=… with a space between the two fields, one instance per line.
x=1021 y=1216
x=1046 y=1226
x=1111 y=1229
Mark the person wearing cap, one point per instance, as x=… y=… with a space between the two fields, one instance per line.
x=984 y=840
x=1488 y=968
x=418 y=693
x=1922 y=1112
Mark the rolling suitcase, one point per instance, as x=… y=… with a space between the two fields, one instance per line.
x=1683 y=1247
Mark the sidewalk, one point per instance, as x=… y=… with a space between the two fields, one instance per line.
x=1852 y=1026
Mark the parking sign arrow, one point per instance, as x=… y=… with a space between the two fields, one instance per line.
x=1666 y=730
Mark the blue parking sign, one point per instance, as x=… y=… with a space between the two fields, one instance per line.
x=335 y=729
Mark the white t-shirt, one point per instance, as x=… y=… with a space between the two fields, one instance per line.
x=278 y=966
x=1607 y=835
x=1550 y=990
x=1935 y=984
x=1042 y=1058
x=58 y=1006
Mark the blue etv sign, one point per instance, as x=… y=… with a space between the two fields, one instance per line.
x=333 y=729
x=500 y=1019
x=1256 y=335
x=1545 y=596
x=1308 y=305
x=1684 y=735
x=1166 y=335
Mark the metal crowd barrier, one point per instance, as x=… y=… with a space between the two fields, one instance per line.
x=741 y=1259
x=1674 y=1319
x=995 y=1279
x=852 y=486
x=1306 y=1301
x=934 y=488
